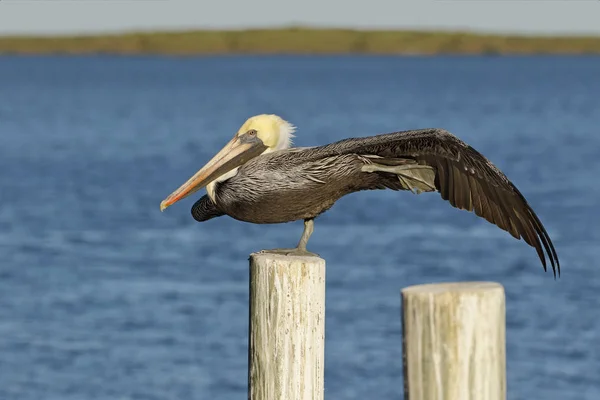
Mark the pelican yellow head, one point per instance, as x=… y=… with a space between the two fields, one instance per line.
x=259 y=134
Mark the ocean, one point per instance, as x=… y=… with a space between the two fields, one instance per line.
x=102 y=296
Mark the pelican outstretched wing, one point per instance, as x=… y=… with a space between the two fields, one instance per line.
x=463 y=176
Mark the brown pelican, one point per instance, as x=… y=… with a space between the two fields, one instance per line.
x=258 y=177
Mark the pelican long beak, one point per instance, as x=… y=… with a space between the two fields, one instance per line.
x=235 y=153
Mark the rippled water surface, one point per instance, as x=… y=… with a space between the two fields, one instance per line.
x=104 y=297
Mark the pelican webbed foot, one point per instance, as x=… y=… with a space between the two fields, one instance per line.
x=299 y=250
x=291 y=252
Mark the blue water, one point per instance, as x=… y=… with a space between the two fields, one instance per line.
x=104 y=297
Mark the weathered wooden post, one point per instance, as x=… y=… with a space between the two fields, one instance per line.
x=287 y=327
x=454 y=341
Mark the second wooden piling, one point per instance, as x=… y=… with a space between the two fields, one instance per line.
x=286 y=327
x=454 y=341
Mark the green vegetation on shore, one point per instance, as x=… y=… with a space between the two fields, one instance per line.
x=300 y=41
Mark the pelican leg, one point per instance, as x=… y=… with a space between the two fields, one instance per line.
x=299 y=250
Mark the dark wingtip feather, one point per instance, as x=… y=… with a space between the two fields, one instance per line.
x=543 y=235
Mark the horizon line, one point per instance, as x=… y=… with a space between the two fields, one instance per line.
x=275 y=27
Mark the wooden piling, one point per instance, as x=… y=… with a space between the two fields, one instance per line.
x=454 y=341
x=286 y=327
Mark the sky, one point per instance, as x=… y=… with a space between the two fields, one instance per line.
x=497 y=16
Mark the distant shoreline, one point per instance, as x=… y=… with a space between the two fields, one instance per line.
x=299 y=41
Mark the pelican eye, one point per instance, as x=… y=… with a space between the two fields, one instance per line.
x=251 y=132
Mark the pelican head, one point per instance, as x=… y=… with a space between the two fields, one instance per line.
x=259 y=134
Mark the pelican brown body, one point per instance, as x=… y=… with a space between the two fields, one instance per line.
x=274 y=183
